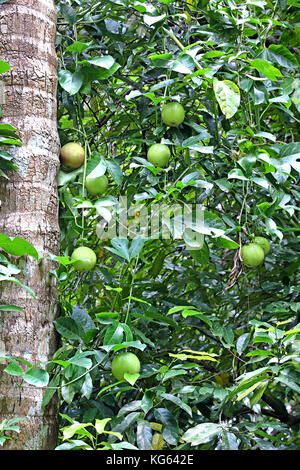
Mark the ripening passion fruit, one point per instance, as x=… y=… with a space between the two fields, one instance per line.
x=96 y=185
x=125 y=363
x=173 y=114
x=263 y=243
x=252 y=255
x=72 y=155
x=158 y=155
x=86 y=258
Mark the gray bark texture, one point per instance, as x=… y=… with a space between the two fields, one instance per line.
x=29 y=210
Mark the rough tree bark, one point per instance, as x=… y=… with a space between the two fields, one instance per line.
x=29 y=209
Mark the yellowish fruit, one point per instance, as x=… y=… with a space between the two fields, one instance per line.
x=72 y=155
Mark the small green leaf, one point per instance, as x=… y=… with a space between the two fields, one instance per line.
x=13 y=369
x=131 y=378
x=100 y=424
x=250 y=389
x=77 y=47
x=11 y=308
x=37 y=377
x=4 y=66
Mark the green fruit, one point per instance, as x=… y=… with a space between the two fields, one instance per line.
x=173 y=114
x=72 y=155
x=125 y=363
x=264 y=243
x=86 y=259
x=96 y=185
x=252 y=255
x=158 y=155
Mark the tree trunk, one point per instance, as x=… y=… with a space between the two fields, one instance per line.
x=29 y=209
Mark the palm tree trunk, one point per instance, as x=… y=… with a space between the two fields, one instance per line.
x=29 y=209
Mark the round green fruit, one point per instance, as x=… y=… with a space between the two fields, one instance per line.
x=173 y=114
x=72 y=155
x=252 y=255
x=96 y=185
x=158 y=155
x=86 y=259
x=125 y=363
x=264 y=243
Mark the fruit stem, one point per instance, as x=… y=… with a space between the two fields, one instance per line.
x=130 y=292
x=181 y=46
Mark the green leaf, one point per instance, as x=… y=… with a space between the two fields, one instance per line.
x=100 y=424
x=36 y=377
x=282 y=56
x=228 y=96
x=196 y=313
x=67 y=327
x=178 y=402
x=17 y=246
x=114 y=170
x=80 y=360
x=105 y=62
x=184 y=64
x=4 y=66
x=170 y=374
x=243 y=342
x=82 y=318
x=78 y=47
x=170 y=427
x=144 y=435
x=11 y=308
x=236 y=173
x=202 y=433
x=50 y=390
x=147 y=401
x=13 y=369
x=120 y=248
x=260 y=352
x=74 y=444
x=126 y=422
x=64 y=178
x=131 y=378
x=114 y=334
x=71 y=82
x=287 y=379
x=19 y=283
x=103 y=74
x=128 y=407
x=264 y=67
x=68 y=14
x=250 y=389
x=125 y=344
